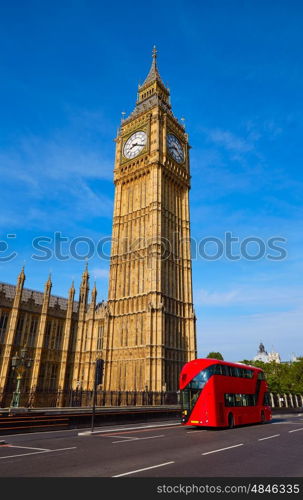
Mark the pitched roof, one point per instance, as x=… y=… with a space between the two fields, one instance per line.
x=27 y=294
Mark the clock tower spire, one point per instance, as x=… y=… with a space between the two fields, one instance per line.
x=150 y=330
x=152 y=91
x=153 y=74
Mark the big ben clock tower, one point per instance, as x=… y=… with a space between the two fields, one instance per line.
x=150 y=323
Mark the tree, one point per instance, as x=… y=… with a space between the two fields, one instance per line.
x=215 y=355
x=282 y=377
x=296 y=375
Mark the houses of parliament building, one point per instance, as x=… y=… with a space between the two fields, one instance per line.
x=146 y=330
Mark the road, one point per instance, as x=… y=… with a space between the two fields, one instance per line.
x=161 y=449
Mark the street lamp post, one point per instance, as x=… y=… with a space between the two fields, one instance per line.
x=19 y=365
x=99 y=367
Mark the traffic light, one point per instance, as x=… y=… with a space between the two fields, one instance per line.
x=99 y=371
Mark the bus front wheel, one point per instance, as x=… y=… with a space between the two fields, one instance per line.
x=231 y=422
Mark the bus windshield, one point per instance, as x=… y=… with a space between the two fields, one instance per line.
x=191 y=392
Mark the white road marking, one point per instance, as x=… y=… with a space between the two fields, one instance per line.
x=122 y=437
x=285 y=415
x=145 y=468
x=37 y=452
x=27 y=447
x=269 y=437
x=295 y=430
x=23 y=455
x=197 y=432
x=138 y=439
x=40 y=432
x=130 y=439
x=286 y=423
x=131 y=428
x=222 y=449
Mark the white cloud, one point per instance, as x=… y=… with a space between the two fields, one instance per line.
x=204 y=297
x=34 y=160
x=40 y=173
x=246 y=295
x=230 y=141
x=99 y=273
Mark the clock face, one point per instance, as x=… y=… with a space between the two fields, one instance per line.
x=175 y=148
x=134 y=144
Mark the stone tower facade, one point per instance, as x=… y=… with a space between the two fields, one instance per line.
x=149 y=330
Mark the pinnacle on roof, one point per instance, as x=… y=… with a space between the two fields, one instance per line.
x=21 y=276
x=94 y=294
x=85 y=274
x=48 y=284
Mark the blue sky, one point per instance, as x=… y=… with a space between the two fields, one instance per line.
x=234 y=68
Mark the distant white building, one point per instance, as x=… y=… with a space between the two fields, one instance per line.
x=274 y=356
x=263 y=355
x=293 y=358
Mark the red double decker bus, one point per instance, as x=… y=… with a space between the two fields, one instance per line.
x=216 y=393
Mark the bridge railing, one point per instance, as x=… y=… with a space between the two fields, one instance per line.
x=81 y=398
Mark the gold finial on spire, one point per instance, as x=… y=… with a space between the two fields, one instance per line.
x=93 y=296
x=21 y=276
x=71 y=291
x=85 y=274
x=153 y=72
x=48 y=284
